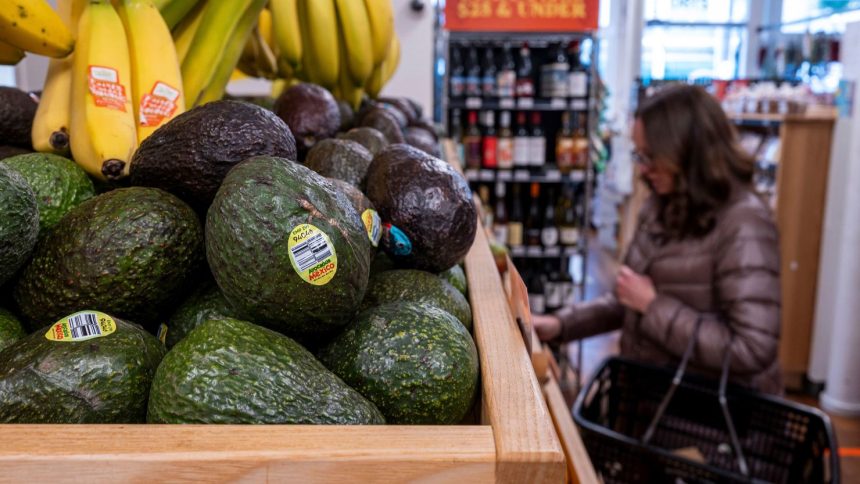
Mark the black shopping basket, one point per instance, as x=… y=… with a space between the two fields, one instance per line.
x=643 y=423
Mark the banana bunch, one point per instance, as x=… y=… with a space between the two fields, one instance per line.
x=32 y=26
x=120 y=84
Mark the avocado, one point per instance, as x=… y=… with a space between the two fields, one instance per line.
x=10 y=329
x=59 y=184
x=403 y=106
x=416 y=362
x=6 y=151
x=408 y=285
x=370 y=138
x=19 y=222
x=17 y=110
x=428 y=203
x=428 y=128
x=456 y=277
x=229 y=371
x=356 y=197
x=88 y=367
x=287 y=248
x=205 y=303
x=421 y=139
x=386 y=122
x=311 y=112
x=341 y=159
x=126 y=252
x=190 y=155
x=347 y=116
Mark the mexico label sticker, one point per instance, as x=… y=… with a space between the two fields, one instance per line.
x=373 y=225
x=312 y=255
x=81 y=326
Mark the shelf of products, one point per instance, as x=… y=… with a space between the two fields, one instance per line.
x=525 y=175
x=522 y=104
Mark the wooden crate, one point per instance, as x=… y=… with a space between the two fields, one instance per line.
x=514 y=441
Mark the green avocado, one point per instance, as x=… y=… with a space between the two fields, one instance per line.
x=59 y=184
x=233 y=372
x=204 y=304
x=409 y=285
x=19 y=222
x=191 y=155
x=416 y=362
x=287 y=248
x=456 y=277
x=10 y=329
x=127 y=252
x=341 y=159
x=104 y=379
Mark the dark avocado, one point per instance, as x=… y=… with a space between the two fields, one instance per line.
x=428 y=202
x=17 y=110
x=421 y=139
x=386 y=122
x=403 y=106
x=416 y=362
x=340 y=159
x=311 y=112
x=228 y=371
x=370 y=138
x=9 y=151
x=287 y=248
x=190 y=155
x=19 y=222
x=347 y=116
x=127 y=252
x=408 y=285
x=97 y=379
x=10 y=329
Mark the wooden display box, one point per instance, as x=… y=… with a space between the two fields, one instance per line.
x=514 y=441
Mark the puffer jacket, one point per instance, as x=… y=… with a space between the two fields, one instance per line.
x=729 y=278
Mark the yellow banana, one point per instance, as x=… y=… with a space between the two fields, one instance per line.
x=174 y=11
x=183 y=34
x=102 y=124
x=346 y=90
x=381 y=15
x=217 y=47
x=257 y=58
x=286 y=32
x=392 y=62
x=50 y=131
x=33 y=26
x=358 y=45
x=10 y=55
x=214 y=89
x=156 y=82
x=374 y=84
x=264 y=23
x=320 y=55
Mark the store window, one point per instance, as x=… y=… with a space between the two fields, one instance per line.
x=693 y=39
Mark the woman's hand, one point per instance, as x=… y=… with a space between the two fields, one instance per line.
x=634 y=290
x=547 y=327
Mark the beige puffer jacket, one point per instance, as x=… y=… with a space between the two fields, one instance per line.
x=729 y=278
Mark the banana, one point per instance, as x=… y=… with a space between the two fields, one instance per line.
x=102 y=124
x=392 y=62
x=174 y=11
x=10 y=55
x=346 y=90
x=229 y=56
x=374 y=84
x=183 y=34
x=217 y=47
x=156 y=87
x=381 y=15
x=320 y=55
x=286 y=32
x=257 y=58
x=33 y=26
x=358 y=46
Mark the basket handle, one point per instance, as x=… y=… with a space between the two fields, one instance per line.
x=676 y=381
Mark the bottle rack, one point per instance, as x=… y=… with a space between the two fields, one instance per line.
x=538 y=263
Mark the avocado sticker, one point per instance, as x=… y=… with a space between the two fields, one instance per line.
x=312 y=254
x=373 y=225
x=81 y=326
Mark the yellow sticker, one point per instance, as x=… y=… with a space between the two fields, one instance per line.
x=81 y=326
x=373 y=225
x=312 y=254
x=162 y=334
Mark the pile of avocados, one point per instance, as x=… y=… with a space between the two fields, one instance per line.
x=300 y=265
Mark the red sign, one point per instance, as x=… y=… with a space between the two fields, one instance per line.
x=521 y=15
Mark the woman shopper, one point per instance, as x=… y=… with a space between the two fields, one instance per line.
x=706 y=249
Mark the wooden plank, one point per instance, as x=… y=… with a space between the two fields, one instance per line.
x=301 y=453
x=527 y=449
x=579 y=467
x=802 y=190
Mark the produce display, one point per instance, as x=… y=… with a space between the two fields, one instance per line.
x=171 y=256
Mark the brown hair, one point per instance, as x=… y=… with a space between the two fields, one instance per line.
x=685 y=126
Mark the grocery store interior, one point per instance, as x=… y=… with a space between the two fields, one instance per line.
x=660 y=237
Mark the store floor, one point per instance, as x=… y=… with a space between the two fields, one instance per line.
x=602 y=266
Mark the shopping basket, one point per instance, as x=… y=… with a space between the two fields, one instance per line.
x=644 y=423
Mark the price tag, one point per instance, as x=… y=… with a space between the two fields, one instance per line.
x=577 y=176
x=521 y=175
x=558 y=103
x=526 y=103
x=553 y=176
x=518 y=251
x=507 y=103
x=534 y=251
x=472 y=175
x=505 y=175
x=474 y=103
x=579 y=104
x=488 y=175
